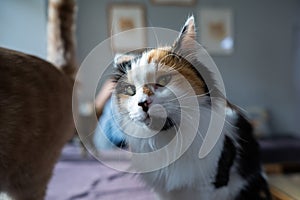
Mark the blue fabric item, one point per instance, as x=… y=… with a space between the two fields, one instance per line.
x=107 y=134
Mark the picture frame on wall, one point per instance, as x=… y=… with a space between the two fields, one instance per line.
x=125 y=24
x=174 y=2
x=216 y=30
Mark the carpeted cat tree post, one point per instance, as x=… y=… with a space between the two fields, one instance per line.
x=61 y=34
x=61 y=49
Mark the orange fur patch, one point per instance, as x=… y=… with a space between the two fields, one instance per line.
x=147 y=91
x=164 y=57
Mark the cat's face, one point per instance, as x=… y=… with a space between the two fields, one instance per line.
x=150 y=84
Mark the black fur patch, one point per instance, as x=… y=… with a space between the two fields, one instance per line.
x=249 y=155
x=249 y=163
x=168 y=124
x=225 y=163
x=257 y=188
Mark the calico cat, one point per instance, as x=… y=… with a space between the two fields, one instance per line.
x=149 y=94
x=36 y=109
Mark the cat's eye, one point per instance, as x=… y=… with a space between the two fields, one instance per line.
x=163 y=80
x=129 y=90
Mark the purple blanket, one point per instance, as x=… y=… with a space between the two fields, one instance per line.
x=75 y=178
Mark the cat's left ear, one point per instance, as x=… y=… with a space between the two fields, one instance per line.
x=187 y=36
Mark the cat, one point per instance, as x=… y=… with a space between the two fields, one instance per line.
x=35 y=122
x=36 y=117
x=151 y=88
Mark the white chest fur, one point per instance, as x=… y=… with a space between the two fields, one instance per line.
x=189 y=177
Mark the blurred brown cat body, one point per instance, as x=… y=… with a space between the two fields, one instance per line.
x=35 y=122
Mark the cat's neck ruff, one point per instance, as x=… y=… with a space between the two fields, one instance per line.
x=188 y=170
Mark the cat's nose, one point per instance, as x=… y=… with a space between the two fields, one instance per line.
x=144 y=105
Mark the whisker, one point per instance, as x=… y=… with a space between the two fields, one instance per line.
x=186 y=112
x=111 y=34
x=166 y=56
x=154 y=32
x=184 y=96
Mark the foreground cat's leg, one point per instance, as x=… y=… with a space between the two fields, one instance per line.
x=37 y=196
x=31 y=188
x=37 y=193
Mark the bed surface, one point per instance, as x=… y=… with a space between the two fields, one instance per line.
x=78 y=178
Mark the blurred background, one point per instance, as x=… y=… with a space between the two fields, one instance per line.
x=261 y=73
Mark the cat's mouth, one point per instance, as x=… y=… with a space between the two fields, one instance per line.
x=157 y=119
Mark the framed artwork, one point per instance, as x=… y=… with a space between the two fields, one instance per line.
x=216 y=30
x=174 y=2
x=125 y=25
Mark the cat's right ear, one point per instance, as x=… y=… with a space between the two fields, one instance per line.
x=122 y=63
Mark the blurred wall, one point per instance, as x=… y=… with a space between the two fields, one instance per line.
x=258 y=73
x=262 y=70
x=23 y=26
